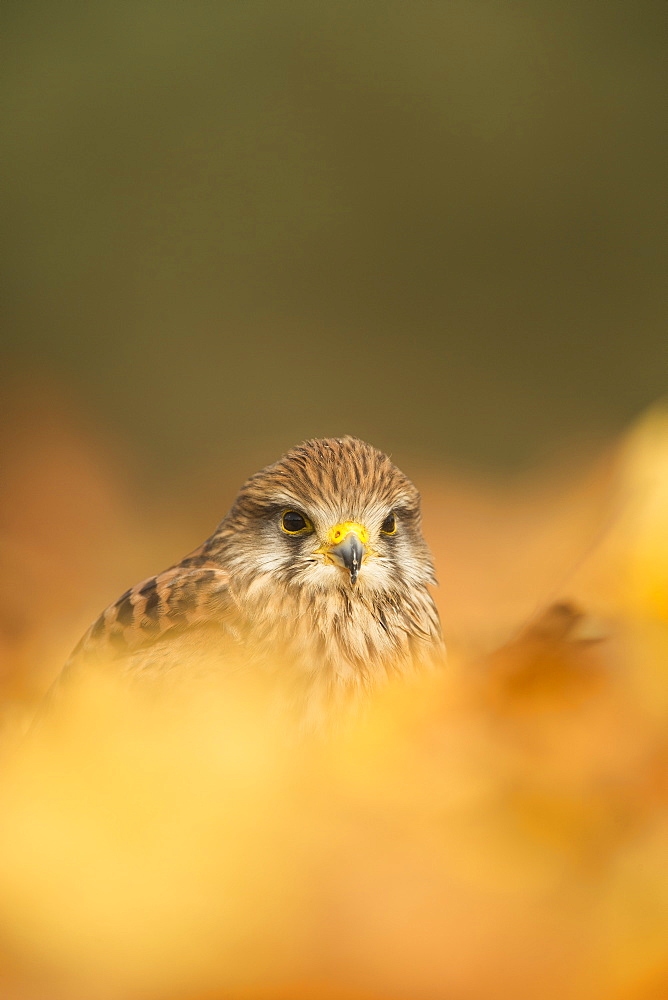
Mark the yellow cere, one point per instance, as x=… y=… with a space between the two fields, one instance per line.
x=339 y=532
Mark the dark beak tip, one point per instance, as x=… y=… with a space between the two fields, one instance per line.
x=351 y=552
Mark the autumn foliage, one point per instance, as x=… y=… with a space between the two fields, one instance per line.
x=499 y=831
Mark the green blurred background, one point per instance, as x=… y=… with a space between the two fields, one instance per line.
x=437 y=225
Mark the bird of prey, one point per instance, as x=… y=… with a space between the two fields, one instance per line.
x=319 y=568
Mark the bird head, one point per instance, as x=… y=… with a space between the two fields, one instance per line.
x=333 y=513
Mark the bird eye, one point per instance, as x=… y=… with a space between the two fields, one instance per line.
x=389 y=525
x=294 y=523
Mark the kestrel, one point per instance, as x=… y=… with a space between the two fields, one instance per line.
x=319 y=567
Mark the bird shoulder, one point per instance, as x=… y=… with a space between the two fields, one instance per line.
x=182 y=597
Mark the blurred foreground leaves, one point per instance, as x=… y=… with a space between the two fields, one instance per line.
x=499 y=831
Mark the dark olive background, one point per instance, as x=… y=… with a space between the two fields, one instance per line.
x=437 y=225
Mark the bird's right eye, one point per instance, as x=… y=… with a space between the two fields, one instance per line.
x=294 y=523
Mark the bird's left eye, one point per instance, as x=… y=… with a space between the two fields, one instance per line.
x=389 y=525
x=294 y=523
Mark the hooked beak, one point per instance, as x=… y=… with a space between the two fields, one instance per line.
x=346 y=546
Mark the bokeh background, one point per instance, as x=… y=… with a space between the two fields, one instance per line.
x=440 y=226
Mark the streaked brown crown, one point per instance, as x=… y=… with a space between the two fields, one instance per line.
x=343 y=472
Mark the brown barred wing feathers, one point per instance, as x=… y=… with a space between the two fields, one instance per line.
x=160 y=607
